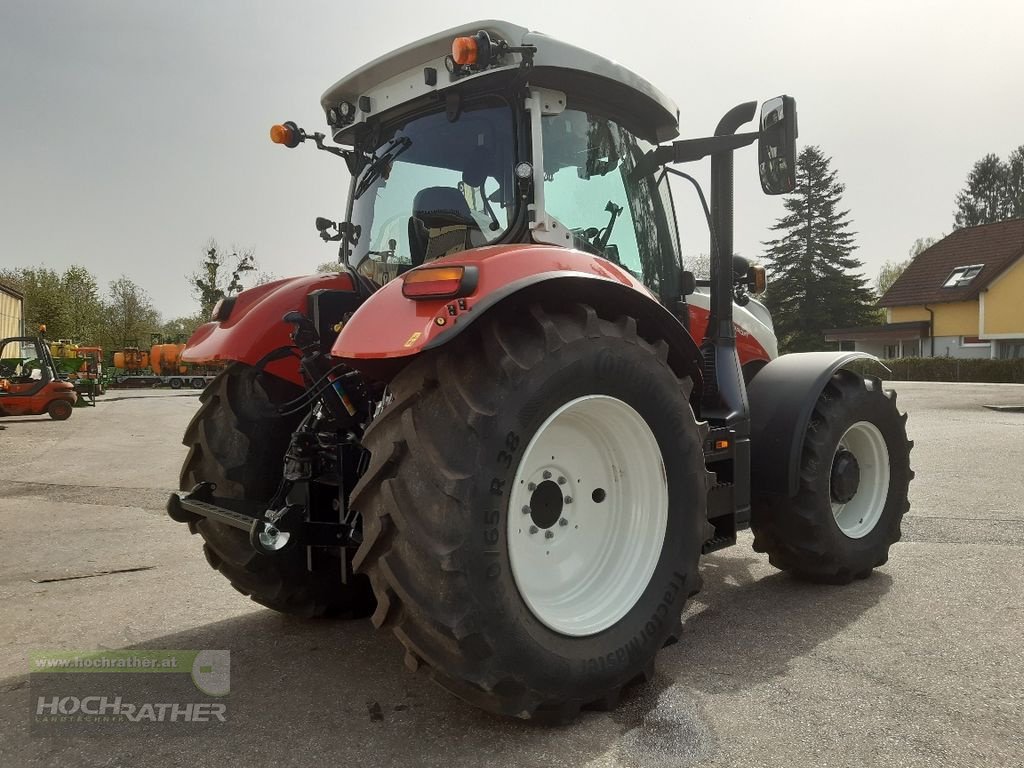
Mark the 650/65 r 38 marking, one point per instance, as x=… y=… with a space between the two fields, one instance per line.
x=465 y=461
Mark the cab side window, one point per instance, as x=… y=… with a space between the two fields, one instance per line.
x=590 y=189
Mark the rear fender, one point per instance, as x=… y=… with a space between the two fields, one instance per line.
x=389 y=330
x=782 y=397
x=254 y=327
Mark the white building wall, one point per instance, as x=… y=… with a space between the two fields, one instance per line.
x=952 y=346
x=876 y=348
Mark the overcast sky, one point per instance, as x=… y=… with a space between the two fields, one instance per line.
x=133 y=131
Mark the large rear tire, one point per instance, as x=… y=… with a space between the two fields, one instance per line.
x=854 y=479
x=464 y=538
x=237 y=440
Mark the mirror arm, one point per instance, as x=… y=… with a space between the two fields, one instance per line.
x=690 y=150
x=350 y=157
x=696 y=149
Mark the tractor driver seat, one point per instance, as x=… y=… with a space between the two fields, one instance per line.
x=441 y=223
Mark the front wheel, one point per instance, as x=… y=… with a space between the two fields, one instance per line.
x=854 y=479
x=59 y=410
x=534 y=510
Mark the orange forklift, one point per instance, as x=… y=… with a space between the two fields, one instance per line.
x=29 y=383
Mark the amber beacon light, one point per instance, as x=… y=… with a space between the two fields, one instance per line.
x=465 y=51
x=287 y=134
x=473 y=52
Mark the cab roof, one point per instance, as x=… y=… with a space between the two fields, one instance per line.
x=399 y=77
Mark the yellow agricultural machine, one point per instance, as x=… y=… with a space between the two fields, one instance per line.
x=80 y=364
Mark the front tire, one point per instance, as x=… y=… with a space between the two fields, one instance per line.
x=59 y=410
x=237 y=440
x=854 y=480
x=476 y=597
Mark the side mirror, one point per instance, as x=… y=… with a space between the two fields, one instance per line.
x=776 y=146
x=322 y=223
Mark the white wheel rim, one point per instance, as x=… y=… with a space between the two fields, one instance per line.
x=581 y=564
x=857 y=517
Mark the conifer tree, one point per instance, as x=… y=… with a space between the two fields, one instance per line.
x=815 y=281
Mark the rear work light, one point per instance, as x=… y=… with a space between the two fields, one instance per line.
x=439 y=282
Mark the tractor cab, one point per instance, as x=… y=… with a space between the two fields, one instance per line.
x=500 y=135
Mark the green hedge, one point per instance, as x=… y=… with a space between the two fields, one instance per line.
x=950 y=369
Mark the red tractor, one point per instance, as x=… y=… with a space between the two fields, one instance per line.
x=511 y=424
x=29 y=382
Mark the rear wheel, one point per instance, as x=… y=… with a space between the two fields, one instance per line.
x=854 y=479
x=175 y=383
x=198 y=383
x=237 y=440
x=59 y=410
x=534 y=509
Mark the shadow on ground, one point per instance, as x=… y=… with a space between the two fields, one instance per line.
x=745 y=629
x=307 y=692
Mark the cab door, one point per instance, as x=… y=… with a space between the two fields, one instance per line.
x=591 y=189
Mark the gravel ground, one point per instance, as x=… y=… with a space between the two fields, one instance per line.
x=920 y=665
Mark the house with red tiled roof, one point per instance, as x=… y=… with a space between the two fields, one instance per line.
x=963 y=297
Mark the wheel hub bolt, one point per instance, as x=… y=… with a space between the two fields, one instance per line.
x=531 y=487
x=568 y=499
x=563 y=522
x=561 y=480
x=526 y=510
x=533 y=529
x=547 y=475
x=549 y=535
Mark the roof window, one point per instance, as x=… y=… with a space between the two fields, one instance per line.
x=962 y=276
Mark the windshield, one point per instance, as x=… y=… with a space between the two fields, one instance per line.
x=432 y=187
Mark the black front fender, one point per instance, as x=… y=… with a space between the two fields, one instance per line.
x=782 y=397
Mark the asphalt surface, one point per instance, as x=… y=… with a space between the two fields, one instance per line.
x=920 y=665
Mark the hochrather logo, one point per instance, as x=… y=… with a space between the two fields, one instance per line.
x=95 y=688
x=58 y=708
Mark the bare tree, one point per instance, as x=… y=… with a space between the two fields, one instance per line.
x=220 y=274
